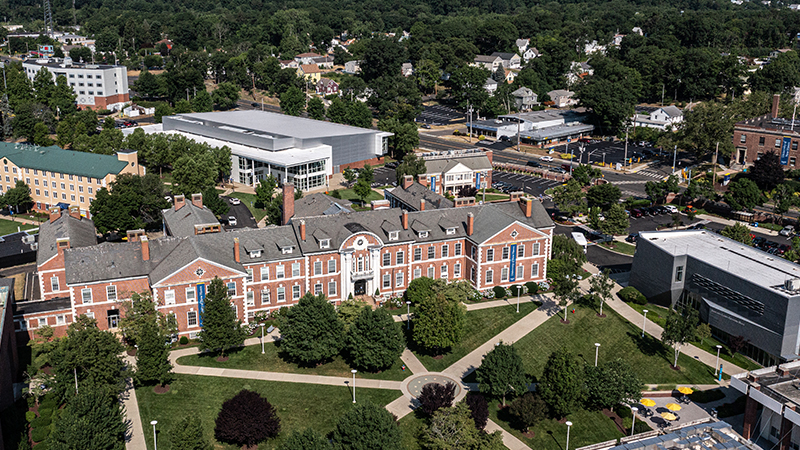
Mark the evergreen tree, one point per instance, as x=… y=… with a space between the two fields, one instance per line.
x=221 y=328
x=367 y=427
x=152 y=357
x=312 y=331
x=92 y=420
x=214 y=202
x=202 y=102
x=375 y=340
x=501 y=373
x=187 y=434
x=307 y=439
x=561 y=385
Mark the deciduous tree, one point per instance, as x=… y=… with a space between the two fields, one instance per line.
x=679 y=329
x=316 y=109
x=502 y=373
x=744 y=194
x=246 y=420
x=187 y=434
x=307 y=439
x=603 y=195
x=611 y=383
x=569 y=198
x=152 y=356
x=767 y=171
x=435 y=396
x=225 y=96
x=439 y=322
x=311 y=330
x=561 y=385
x=92 y=420
x=479 y=409
x=616 y=220
x=738 y=232
x=601 y=285
x=130 y=202
x=366 y=426
x=529 y=409
x=293 y=101
x=375 y=340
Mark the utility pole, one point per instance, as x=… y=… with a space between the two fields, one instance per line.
x=5 y=110
x=714 y=182
x=469 y=136
x=674 y=159
x=625 y=162
x=662 y=93
x=520 y=120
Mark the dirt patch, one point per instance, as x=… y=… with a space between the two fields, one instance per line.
x=161 y=389
x=222 y=359
x=617 y=420
x=675 y=368
x=603 y=316
x=565 y=322
x=438 y=357
x=47 y=369
x=132 y=352
x=529 y=434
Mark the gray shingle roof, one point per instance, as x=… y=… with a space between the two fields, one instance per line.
x=79 y=231
x=182 y=221
x=417 y=192
x=485 y=59
x=672 y=111
x=320 y=204
x=504 y=56
x=478 y=162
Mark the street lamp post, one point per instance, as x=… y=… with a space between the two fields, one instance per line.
x=625 y=161
x=408 y=314
x=633 y=420
x=569 y=424
x=644 y=322
x=155 y=444
x=596 y=352
x=262 y=338
x=519 y=290
x=716 y=366
x=354 y=384
x=470 y=110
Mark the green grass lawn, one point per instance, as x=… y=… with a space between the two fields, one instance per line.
x=249 y=201
x=656 y=314
x=413 y=427
x=618 y=338
x=299 y=406
x=480 y=326
x=9 y=226
x=589 y=427
x=250 y=358
x=350 y=194
x=621 y=247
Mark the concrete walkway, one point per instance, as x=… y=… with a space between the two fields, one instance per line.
x=135 y=438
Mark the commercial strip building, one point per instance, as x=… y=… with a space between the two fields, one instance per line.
x=62 y=177
x=738 y=289
x=343 y=254
x=303 y=152
x=771 y=411
x=97 y=86
x=752 y=138
x=537 y=127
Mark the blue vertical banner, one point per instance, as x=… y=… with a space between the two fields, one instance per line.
x=785 y=146
x=512 y=271
x=201 y=301
x=478 y=180
x=432 y=180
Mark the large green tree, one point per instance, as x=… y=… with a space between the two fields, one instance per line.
x=679 y=329
x=375 y=340
x=738 y=232
x=92 y=420
x=616 y=220
x=187 y=434
x=293 y=101
x=767 y=171
x=221 y=328
x=366 y=427
x=193 y=174
x=439 y=322
x=611 y=92
x=130 y=202
x=311 y=331
x=603 y=195
x=225 y=96
x=502 y=373
x=152 y=356
x=611 y=383
x=562 y=383
x=744 y=194
x=569 y=198
x=454 y=429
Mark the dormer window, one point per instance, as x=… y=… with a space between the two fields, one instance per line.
x=286 y=250
x=255 y=254
x=423 y=234
x=394 y=235
x=325 y=243
x=451 y=231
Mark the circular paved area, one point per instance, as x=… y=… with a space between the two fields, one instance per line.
x=416 y=384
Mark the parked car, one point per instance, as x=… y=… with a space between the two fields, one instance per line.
x=504 y=139
x=636 y=213
x=546 y=158
x=235 y=201
x=533 y=164
x=231 y=221
x=787 y=231
x=672 y=209
x=558 y=170
x=632 y=238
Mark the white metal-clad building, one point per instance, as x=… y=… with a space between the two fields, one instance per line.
x=97 y=86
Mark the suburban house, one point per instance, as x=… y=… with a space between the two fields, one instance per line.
x=63 y=177
x=309 y=72
x=510 y=60
x=289 y=64
x=490 y=86
x=522 y=45
x=352 y=67
x=339 y=255
x=490 y=63
x=530 y=53
x=167 y=42
x=306 y=58
x=663 y=118
x=326 y=86
x=510 y=75
x=323 y=62
x=562 y=98
x=407 y=69
x=448 y=172
x=594 y=47
x=524 y=99
x=616 y=41
x=577 y=71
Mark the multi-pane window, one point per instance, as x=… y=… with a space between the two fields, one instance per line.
x=296 y=292
x=295 y=269
x=504 y=274
x=490 y=254
x=387 y=259
x=251 y=298
x=331 y=265
x=431 y=272
x=169 y=297
x=520 y=251
x=111 y=293
x=281 y=293
x=520 y=272
x=472 y=273
x=279 y=272
x=457 y=270
x=317 y=267
x=231 y=289
x=86 y=295
x=317 y=288
x=431 y=252
x=535 y=248
x=443 y=271
x=191 y=318
x=249 y=277
x=60 y=319
x=398 y=279
x=473 y=251
x=679 y=273
x=387 y=281
x=534 y=270
x=417 y=273
x=445 y=251
x=400 y=258
x=265 y=296
x=505 y=253
x=331 y=288
x=54 y=285
x=417 y=254
x=457 y=249
x=489 y=277
x=191 y=295
x=264 y=273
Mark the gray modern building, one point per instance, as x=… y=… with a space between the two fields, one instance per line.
x=296 y=150
x=537 y=127
x=739 y=290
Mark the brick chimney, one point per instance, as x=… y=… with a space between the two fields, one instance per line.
x=303 y=230
x=197 y=200
x=404 y=219
x=515 y=195
x=134 y=235
x=61 y=245
x=408 y=180
x=527 y=206
x=776 y=101
x=470 y=224
x=236 y=249
x=179 y=200
x=489 y=154
x=423 y=180
x=379 y=204
x=422 y=204
x=288 y=203
x=75 y=211
x=145 y=248
x=55 y=213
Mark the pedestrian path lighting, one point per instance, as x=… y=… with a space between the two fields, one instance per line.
x=596 y=352
x=155 y=444
x=644 y=322
x=354 y=384
x=569 y=424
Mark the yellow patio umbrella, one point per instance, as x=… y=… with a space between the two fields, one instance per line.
x=647 y=402
x=685 y=390
x=668 y=416
x=673 y=407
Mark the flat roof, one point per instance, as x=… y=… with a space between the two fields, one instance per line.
x=768 y=123
x=275 y=124
x=746 y=262
x=58 y=64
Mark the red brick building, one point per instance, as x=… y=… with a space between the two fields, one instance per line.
x=752 y=138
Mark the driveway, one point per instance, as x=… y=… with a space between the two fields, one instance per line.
x=243 y=217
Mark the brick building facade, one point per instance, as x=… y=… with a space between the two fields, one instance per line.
x=752 y=138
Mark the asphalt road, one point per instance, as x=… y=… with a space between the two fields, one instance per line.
x=243 y=217
x=385 y=176
x=428 y=142
x=528 y=184
x=248 y=105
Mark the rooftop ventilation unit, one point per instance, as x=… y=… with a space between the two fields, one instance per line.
x=792 y=284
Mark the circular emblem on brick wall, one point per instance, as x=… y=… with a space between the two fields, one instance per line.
x=514 y=234
x=199 y=272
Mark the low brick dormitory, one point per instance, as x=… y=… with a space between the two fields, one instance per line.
x=339 y=255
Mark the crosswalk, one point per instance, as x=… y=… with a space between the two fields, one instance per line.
x=651 y=174
x=631 y=182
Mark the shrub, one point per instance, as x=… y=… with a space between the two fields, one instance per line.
x=41 y=422
x=531 y=287
x=246 y=419
x=45 y=412
x=435 y=396
x=42 y=446
x=479 y=409
x=29 y=416
x=516 y=289
x=336 y=194
x=183 y=340
x=631 y=294
x=528 y=409
x=48 y=402
x=39 y=434
x=499 y=292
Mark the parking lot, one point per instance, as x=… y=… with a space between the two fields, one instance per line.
x=526 y=183
x=439 y=115
x=385 y=176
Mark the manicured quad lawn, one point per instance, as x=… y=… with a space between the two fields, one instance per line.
x=350 y=194
x=413 y=427
x=480 y=326
x=588 y=427
x=9 y=226
x=618 y=338
x=250 y=358
x=299 y=406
